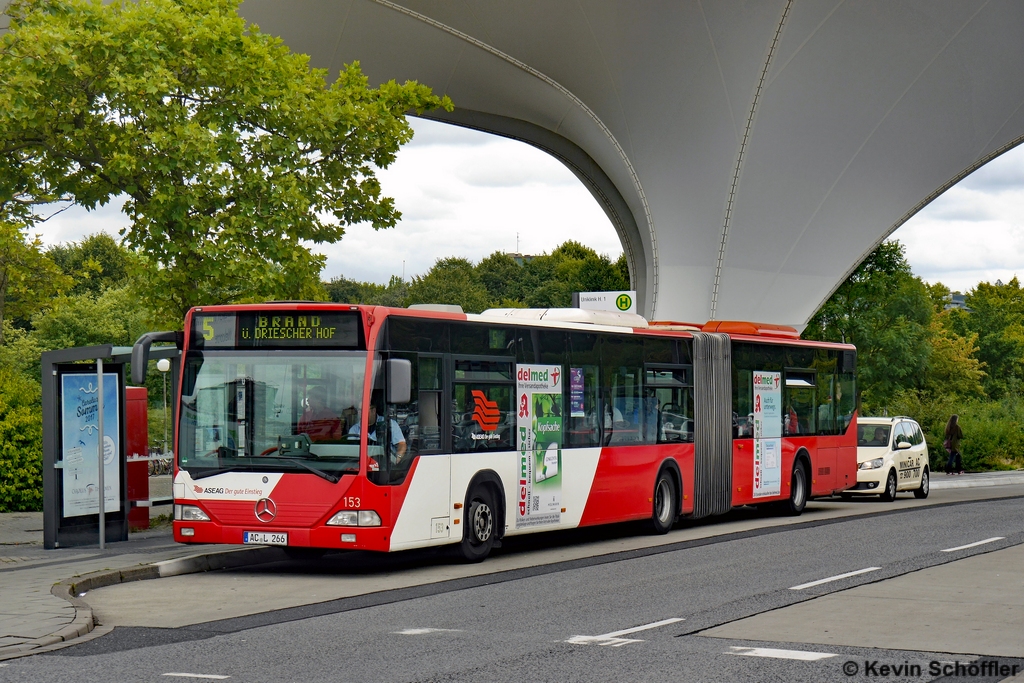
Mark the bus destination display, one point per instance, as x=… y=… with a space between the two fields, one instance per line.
x=276 y=329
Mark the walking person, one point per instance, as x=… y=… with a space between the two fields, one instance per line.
x=954 y=463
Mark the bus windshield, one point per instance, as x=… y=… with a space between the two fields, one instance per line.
x=271 y=411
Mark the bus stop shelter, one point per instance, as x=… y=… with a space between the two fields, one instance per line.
x=71 y=514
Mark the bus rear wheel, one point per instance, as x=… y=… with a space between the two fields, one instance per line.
x=481 y=526
x=797 y=491
x=666 y=503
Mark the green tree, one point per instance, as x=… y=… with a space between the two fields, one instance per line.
x=95 y=263
x=886 y=312
x=502 y=277
x=113 y=317
x=997 y=318
x=451 y=280
x=28 y=279
x=234 y=155
x=953 y=366
x=939 y=295
x=622 y=265
x=345 y=291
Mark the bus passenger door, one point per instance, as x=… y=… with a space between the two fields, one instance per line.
x=420 y=479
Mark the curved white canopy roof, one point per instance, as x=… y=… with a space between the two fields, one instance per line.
x=748 y=154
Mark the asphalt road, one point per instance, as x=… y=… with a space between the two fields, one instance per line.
x=631 y=616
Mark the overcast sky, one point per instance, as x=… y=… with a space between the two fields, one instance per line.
x=465 y=193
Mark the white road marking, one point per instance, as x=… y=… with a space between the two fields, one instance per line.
x=802 y=655
x=959 y=547
x=833 y=578
x=215 y=677
x=419 y=631
x=614 y=638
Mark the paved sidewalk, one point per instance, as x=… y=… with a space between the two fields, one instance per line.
x=31 y=617
x=941 y=480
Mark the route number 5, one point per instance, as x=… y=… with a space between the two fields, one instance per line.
x=207 y=329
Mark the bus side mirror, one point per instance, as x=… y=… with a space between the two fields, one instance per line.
x=140 y=352
x=399 y=380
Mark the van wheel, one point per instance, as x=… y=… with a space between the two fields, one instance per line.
x=889 y=494
x=481 y=526
x=797 y=491
x=921 y=491
x=666 y=505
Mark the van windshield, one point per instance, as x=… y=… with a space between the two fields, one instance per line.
x=271 y=411
x=873 y=435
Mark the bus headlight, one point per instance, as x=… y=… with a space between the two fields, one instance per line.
x=355 y=518
x=344 y=518
x=368 y=518
x=871 y=464
x=190 y=513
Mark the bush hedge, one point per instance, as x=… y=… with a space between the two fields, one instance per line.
x=993 y=430
x=21 y=443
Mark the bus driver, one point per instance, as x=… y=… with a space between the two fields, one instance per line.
x=377 y=425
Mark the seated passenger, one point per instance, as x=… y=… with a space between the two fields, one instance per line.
x=376 y=432
x=318 y=421
x=879 y=440
x=790 y=422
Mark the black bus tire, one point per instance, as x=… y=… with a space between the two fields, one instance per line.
x=481 y=522
x=797 y=491
x=666 y=503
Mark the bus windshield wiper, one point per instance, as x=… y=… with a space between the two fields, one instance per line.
x=333 y=478
x=211 y=472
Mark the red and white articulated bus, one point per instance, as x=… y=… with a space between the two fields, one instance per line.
x=316 y=426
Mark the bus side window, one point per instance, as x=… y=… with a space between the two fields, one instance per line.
x=799 y=416
x=584 y=406
x=482 y=414
x=621 y=370
x=669 y=392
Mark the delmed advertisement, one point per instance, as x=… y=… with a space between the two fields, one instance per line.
x=539 y=424
x=767 y=434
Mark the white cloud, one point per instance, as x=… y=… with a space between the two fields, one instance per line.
x=74 y=223
x=975 y=231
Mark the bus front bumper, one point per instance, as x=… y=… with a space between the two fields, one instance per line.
x=335 y=537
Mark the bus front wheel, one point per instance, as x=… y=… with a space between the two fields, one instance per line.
x=481 y=526
x=666 y=503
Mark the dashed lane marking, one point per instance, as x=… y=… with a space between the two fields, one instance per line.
x=969 y=545
x=215 y=677
x=834 y=578
x=802 y=655
x=422 y=631
x=614 y=638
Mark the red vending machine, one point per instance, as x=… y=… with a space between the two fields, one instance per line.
x=137 y=449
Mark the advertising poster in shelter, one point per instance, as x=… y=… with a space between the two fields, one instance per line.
x=80 y=443
x=539 y=426
x=767 y=434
